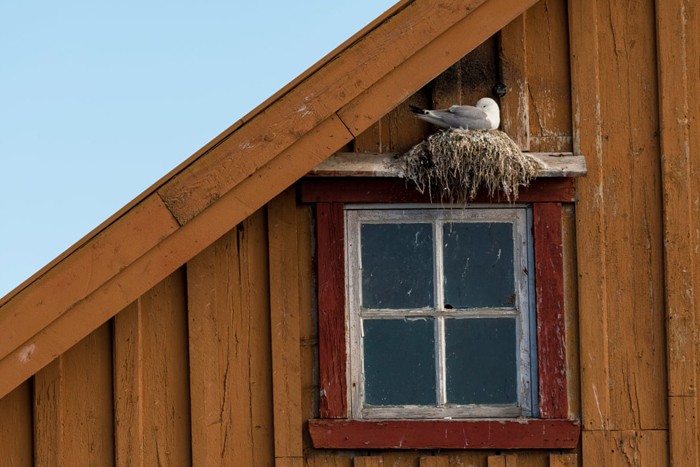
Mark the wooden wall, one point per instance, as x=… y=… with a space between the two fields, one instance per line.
x=217 y=364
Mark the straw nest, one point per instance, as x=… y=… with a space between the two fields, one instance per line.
x=454 y=164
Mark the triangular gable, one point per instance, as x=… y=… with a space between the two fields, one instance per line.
x=237 y=173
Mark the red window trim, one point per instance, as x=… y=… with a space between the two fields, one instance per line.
x=333 y=430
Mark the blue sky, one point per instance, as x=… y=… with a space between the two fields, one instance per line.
x=100 y=99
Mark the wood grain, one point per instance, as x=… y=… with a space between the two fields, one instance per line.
x=563 y=460
x=285 y=325
x=83 y=272
x=507 y=460
x=136 y=278
x=679 y=168
x=73 y=405
x=445 y=434
x=421 y=67
x=353 y=164
x=330 y=238
x=515 y=105
x=300 y=110
x=630 y=447
x=548 y=80
x=590 y=216
x=17 y=427
x=549 y=291
x=152 y=342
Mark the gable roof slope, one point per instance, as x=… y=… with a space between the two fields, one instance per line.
x=237 y=173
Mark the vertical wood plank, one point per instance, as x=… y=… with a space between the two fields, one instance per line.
x=16 y=427
x=256 y=298
x=507 y=460
x=308 y=324
x=549 y=290
x=128 y=387
x=563 y=460
x=151 y=341
x=590 y=216
x=633 y=225
x=219 y=341
x=513 y=61
x=330 y=234
x=624 y=448
x=573 y=369
x=675 y=23
x=229 y=349
x=436 y=461
x=73 y=405
x=368 y=461
x=284 y=325
x=549 y=80
x=322 y=459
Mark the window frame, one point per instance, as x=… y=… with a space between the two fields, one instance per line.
x=551 y=428
x=519 y=216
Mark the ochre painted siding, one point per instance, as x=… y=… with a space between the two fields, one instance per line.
x=218 y=363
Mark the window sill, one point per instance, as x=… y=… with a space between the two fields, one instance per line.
x=445 y=434
x=352 y=164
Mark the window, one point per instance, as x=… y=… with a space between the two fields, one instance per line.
x=457 y=388
x=438 y=314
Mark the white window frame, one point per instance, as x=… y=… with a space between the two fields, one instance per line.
x=521 y=218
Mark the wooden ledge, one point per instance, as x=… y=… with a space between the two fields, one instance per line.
x=445 y=434
x=369 y=164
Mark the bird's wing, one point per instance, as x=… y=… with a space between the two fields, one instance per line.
x=468 y=111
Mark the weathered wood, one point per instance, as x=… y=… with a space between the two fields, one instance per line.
x=81 y=273
x=563 y=460
x=549 y=292
x=394 y=190
x=515 y=111
x=506 y=460
x=73 y=405
x=633 y=239
x=284 y=325
x=436 y=461
x=219 y=371
x=350 y=164
x=573 y=366
x=330 y=238
x=308 y=324
x=230 y=361
x=441 y=434
x=675 y=23
x=129 y=411
x=17 y=427
x=590 y=216
x=152 y=340
x=421 y=67
x=646 y=447
x=313 y=101
x=368 y=461
x=137 y=277
x=548 y=80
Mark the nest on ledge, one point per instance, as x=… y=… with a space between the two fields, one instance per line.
x=455 y=164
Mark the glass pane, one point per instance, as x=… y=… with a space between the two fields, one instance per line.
x=478 y=260
x=397 y=265
x=481 y=361
x=399 y=361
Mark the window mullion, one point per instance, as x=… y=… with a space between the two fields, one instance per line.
x=440 y=320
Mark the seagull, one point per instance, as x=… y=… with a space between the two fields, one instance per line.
x=484 y=116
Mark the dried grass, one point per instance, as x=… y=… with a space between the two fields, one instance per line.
x=454 y=164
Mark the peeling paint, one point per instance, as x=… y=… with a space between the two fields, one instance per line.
x=25 y=355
